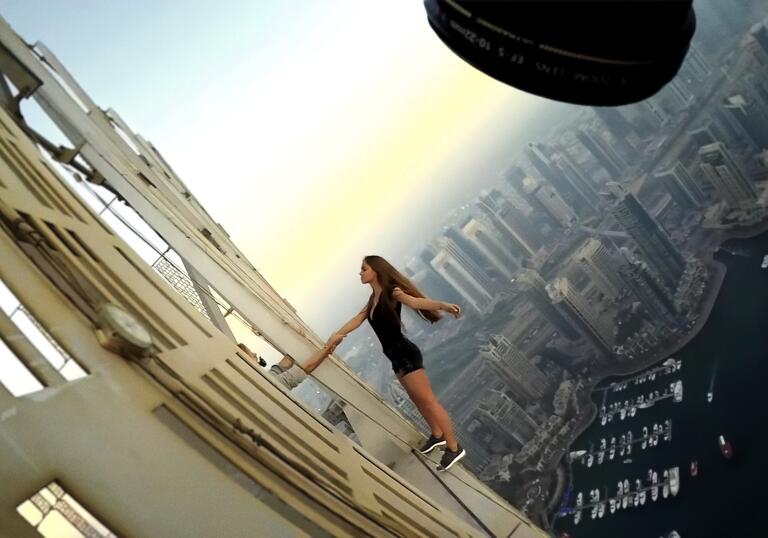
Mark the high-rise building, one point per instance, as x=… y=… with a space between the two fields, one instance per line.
x=515 y=227
x=751 y=111
x=470 y=250
x=681 y=186
x=581 y=314
x=613 y=120
x=483 y=238
x=516 y=366
x=534 y=287
x=463 y=274
x=541 y=161
x=655 y=111
x=600 y=266
x=541 y=195
x=695 y=68
x=505 y=413
x=602 y=152
x=757 y=44
x=514 y=176
x=650 y=236
x=433 y=285
x=646 y=287
x=726 y=176
x=575 y=176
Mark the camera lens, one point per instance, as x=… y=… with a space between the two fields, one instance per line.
x=609 y=52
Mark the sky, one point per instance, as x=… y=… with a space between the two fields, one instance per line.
x=314 y=132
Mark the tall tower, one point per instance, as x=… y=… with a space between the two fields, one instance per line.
x=541 y=195
x=726 y=176
x=572 y=171
x=602 y=152
x=534 y=287
x=598 y=263
x=514 y=226
x=541 y=161
x=486 y=242
x=463 y=274
x=751 y=112
x=653 y=241
x=516 y=365
x=683 y=188
x=644 y=284
x=581 y=314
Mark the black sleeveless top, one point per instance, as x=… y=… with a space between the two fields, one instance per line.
x=388 y=332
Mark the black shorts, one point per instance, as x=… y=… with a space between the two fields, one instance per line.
x=405 y=357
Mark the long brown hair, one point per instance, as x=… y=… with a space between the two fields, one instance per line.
x=390 y=278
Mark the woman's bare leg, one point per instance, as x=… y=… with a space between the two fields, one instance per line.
x=417 y=386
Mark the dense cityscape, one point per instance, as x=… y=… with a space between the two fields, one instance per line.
x=593 y=256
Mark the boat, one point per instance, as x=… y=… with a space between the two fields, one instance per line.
x=654 y=478
x=665 y=490
x=709 y=396
x=603 y=420
x=678 y=391
x=650 y=475
x=632 y=411
x=620 y=489
x=612 y=453
x=628 y=460
x=579 y=500
x=612 y=505
x=694 y=468
x=593 y=515
x=590 y=460
x=600 y=457
x=625 y=501
x=601 y=510
x=725 y=447
x=646 y=404
x=636 y=499
x=764 y=265
x=674 y=534
x=674 y=480
x=577 y=454
x=577 y=517
x=642 y=497
x=623 y=413
x=655 y=493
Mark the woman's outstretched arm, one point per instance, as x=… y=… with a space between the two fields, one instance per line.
x=425 y=303
x=336 y=338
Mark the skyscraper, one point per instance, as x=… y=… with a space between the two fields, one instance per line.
x=463 y=274
x=516 y=366
x=726 y=176
x=645 y=286
x=541 y=195
x=595 y=259
x=534 y=287
x=649 y=235
x=602 y=152
x=751 y=112
x=581 y=314
x=573 y=173
x=517 y=230
x=541 y=161
x=505 y=413
x=683 y=188
x=481 y=236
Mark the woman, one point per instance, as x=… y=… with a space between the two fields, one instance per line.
x=391 y=290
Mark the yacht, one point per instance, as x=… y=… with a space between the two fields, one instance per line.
x=612 y=452
x=678 y=392
x=601 y=510
x=577 y=454
x=694 y=468
x=710 y=396
x=665 y=490
x=654 y=493
x=577 y=517
x=674 y=534
x=764 y=265
x=625 y=500
x=590 y=460
x=612 y=505
x=600 y=457
x=593 y=515
x=579 y=500
x=603 y=420
x=642 y=497
x=628 y=460
x=650 y=475
x=620 y=489
x=674 y=480
x=725 y=447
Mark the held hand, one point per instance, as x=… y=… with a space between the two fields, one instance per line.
x=452 y=309
x=334 y=340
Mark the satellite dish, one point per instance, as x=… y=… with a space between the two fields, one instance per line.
x=601 y=53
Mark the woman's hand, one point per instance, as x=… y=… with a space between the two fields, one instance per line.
x=334 y=340
x=451 y=309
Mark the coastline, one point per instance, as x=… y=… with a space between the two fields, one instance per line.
x=713 y=288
